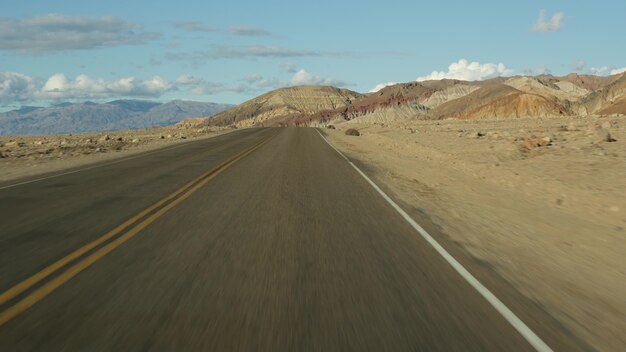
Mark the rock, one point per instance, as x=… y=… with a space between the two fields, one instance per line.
x=169 y=136
x=603 y=135
x=162 y=137
x=3 y=155
x=479 y=134
x=352 y=132
x=105 y=138
x=606 y=125
x=11 y=144
x=135 y=141
x=330 y=127
x=37 y=142
x=531 y=143
x=183 y=137
x=120 y=139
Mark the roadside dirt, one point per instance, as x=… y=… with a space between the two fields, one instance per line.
x=542 y=200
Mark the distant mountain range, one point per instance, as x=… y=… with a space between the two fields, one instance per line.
x=94 y=117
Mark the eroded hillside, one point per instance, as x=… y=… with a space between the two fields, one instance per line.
x=497 y=98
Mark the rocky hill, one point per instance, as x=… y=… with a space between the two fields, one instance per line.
x=283 y=104
x=610 y=99
x=94 y=117
x=501 y=97
x=513 y=97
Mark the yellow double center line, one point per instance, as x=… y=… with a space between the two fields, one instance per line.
x=41 y=292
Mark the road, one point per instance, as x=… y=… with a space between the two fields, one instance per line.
x=257 y=240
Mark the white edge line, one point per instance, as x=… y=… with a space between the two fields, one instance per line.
x=111 y=162
x=516 y=322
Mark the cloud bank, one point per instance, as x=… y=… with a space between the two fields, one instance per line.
x=381 y=86
x=305 y=78
x=16 y=87
x=54 y=32
x=469 y=71
x=606 y=71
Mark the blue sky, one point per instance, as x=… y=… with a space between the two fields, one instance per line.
x=231 y=51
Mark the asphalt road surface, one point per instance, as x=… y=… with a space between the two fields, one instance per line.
x=258 y=240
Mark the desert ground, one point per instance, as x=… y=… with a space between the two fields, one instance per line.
x=541 y=200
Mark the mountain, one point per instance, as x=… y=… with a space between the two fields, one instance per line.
x=284 y=104
x=588 y=82
x=93 y=117
x=499 y=100
x=502 y=97
x=610 y=99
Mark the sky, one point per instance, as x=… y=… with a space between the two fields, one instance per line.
x=231 y=51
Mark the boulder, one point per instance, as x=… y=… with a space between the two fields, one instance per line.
x=352 y=132
x=531 y=143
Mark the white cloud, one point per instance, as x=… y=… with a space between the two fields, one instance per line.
x=605 y=70
x=600 y=71
x=54 y=32
x=618 y=71
x=381 y=86
x=16 y=87
x=58 y=86
x=188 y=79
x=553 y=24
x=469 y=71
x=304 y=78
